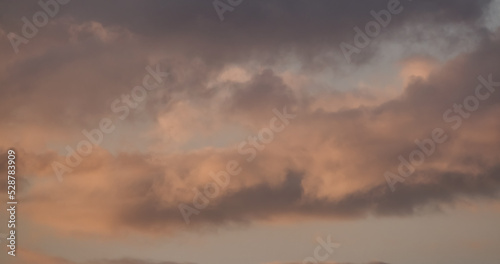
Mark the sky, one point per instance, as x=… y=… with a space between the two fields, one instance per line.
x=250 y=131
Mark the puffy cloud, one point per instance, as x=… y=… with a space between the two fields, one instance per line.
x=325 y=164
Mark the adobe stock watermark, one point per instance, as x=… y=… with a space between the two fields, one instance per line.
x=373 y=28
x=327 y=247
x=249 y=148
x=454 y=116
x=221 y=7
x=120 y=106
x=40 y=19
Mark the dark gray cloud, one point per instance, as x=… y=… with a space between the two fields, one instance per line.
x=187 y=34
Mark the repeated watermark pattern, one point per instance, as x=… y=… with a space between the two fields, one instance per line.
x=453 y=116
x=326 y=246
x=40 y=19
x=248 y=148
x=373 y=28
x=222 y=7
x=120 y=106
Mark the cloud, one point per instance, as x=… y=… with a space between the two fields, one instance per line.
x=327 y=164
